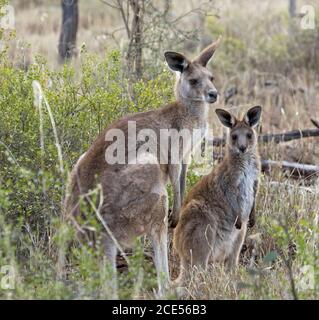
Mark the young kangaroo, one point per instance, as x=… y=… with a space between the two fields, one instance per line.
x=216 y=211
x=134 y=197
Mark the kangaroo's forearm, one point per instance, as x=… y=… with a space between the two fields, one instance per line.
x=182 y=181
x=251 y=222
x=174 y=174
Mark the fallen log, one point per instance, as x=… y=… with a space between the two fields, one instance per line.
x=274 y=137
x=288 y=136
x=295 y=169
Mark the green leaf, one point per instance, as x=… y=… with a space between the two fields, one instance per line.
x=270 y=257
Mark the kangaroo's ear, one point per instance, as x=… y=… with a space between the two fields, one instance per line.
x=252 y=116
x=176 y=61
x=204 y=57
x=227 y=119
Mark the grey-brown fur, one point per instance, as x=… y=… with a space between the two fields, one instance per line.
x=135 y=199
x=215 y=213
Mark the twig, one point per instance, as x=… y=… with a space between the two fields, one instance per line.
x=110 y=5
x=288 y=136
x=288 y=261
x=315 y=122
x=107 y=229
x=125 y=18
x=10 y=153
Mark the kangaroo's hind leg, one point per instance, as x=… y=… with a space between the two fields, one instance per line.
x=110 y=250
x=194 y=258
x=194 y=249
x=158 y=235
x=231 y=261
x=174 y=172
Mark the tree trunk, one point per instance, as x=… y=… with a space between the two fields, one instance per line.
x=135 y=50
x=292 y=8
x=70 y=19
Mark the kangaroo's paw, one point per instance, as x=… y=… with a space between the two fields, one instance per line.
x=172 y=220
x=238 y=223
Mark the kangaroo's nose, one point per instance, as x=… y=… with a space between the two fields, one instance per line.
x=213 y=94
x=242 y=149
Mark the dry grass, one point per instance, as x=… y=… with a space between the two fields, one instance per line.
x=281 y=203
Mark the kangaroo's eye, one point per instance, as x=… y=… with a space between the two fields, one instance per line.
x=234 y=137
x=194 y=82
x=211 y=78
x=249 y=135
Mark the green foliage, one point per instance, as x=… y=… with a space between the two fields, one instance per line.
x=33 y=236
x=274 y=49
x=271 y=43
x=293 y=227
x=214 y=26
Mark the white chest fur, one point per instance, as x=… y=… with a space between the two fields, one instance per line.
x=245 y=184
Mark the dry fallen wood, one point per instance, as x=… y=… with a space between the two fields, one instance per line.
x=315 y=122
x=288 y=136
x=296 y=170
x=274 y=137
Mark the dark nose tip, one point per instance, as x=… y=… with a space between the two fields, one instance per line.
x=212 y=94
x=242 y=148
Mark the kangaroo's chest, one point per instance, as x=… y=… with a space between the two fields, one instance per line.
x=245 y=185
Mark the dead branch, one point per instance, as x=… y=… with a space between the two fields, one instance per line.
x=296 y=170
x=288 y=136
x=275 y=137
x=111 y=5
x=315 y=122
x=229 y=93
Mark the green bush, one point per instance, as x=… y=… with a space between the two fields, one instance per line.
x=33 y=236
x=271 y=43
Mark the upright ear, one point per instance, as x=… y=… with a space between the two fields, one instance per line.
x=252 y=116
x=176 y=61
x=204 y=57
x=227 y=119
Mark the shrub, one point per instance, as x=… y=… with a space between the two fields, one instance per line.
x=33 y=236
